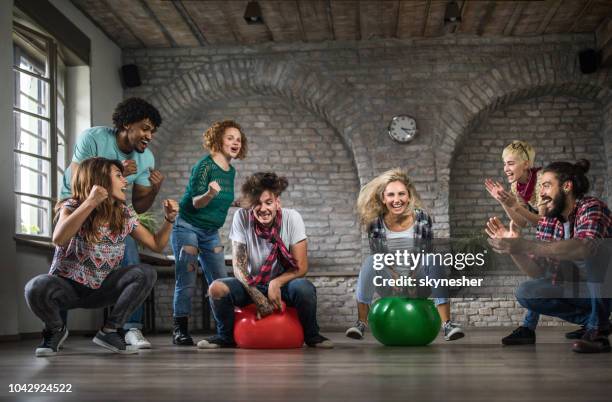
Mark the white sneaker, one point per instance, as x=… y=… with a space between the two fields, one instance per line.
x=135 y=338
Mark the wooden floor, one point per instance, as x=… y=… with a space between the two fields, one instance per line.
x=476 y=368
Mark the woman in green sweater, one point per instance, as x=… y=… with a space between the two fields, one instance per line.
x=203 y=208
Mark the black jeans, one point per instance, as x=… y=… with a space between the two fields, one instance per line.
x=126 y=288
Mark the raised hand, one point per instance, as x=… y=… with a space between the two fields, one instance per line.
x=504 y=240
x=97 y=195
x=492 y=187
x=171 y=209
x=129 y=167
x=213 y=188
x=156 y=178
x=498 y=192
x=497 y=230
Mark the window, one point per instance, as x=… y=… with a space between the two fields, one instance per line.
x=40 y=135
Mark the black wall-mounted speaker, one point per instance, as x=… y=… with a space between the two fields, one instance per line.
x=130 y=76
x=589 y=61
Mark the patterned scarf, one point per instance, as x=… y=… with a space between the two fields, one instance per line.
x=279 y=250
x=525 y=190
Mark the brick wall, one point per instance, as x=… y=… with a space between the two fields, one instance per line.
x=453 y=86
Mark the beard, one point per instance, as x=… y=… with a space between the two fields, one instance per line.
x=559 y=203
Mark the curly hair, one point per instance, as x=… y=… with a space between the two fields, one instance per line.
x=133 y=110
x=370 y=203
x=254 y=186
x=96 y=171
x=213 y=137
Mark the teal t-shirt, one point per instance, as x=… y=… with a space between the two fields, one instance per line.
x=102 y=141
x=212 y=216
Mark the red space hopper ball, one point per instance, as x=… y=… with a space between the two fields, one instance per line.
x=279 y=330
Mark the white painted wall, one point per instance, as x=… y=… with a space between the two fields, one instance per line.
x=20 y=263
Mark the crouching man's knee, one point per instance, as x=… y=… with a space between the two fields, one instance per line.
x=218 y=290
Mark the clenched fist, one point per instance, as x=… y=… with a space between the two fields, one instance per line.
x=97 y=195
x=156 y=178
x=171 y=209
x=213 y=188
x=129 y=167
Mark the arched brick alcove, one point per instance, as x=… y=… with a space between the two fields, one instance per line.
x=521 y=79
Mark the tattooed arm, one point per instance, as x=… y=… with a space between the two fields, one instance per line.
x=240 y=261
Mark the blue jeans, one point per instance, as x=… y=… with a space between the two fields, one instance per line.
x=298 y=293
x=210 y=256
x=541 y=296
x=366 y=287
x=132 y=257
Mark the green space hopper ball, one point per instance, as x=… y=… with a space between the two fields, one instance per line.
x=401 y=321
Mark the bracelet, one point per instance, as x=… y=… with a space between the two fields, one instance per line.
x=168 y=220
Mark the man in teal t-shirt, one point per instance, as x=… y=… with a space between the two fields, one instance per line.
x=135 y=121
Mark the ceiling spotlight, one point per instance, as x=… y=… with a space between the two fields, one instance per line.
x=452 y=14
x=252 y=14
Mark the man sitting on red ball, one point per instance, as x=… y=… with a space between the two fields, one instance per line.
x=270 y=259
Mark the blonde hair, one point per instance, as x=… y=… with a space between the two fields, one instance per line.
x=213 y=137
x=370 y=201
x=521 y=150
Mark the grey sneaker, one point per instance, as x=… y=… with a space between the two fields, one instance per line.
x=357 y=331
x=114 y=341
x=52 y=342
x=452 y=331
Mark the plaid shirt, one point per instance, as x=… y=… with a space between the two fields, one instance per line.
x=423 y=234
x=590 y=219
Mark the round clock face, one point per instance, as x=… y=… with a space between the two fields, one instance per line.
x=402 y=128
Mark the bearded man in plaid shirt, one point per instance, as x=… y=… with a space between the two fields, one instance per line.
x=568 y=260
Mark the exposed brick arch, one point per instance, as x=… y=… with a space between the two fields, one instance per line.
x=185 y=95
x=521 y=79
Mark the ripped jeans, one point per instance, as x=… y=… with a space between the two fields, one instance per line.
x=210 y=257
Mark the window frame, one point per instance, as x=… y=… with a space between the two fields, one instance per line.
x=27 y=34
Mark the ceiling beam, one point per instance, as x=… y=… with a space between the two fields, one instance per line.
x=397 y=20
x=82 y=8
x=330 y=19
x=514 y=19
x=550 y=14
x=486 y=18
x=426 y=19
x=299 y=13
x=603 y=38
x=122 y=22
x=231 y=23
x=180 y=8
x=581 y=14
x=358 y=16
x=161 y=26
x=457 y=25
